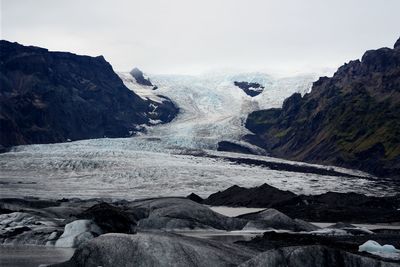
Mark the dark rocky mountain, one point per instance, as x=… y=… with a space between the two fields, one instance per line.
x=140 y=79
x=48 y=97
x=351 y=119
x=250 y=88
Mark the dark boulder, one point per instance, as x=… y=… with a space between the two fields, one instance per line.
x=110 y=219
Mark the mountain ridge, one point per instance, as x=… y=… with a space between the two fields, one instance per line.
x=351 y=119
x=49 y=97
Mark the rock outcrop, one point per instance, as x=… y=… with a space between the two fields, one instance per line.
x=156 y=249
x=257 y=197
x=49 y=97
x=350 y=120
x=250 y=88
x=139 y=77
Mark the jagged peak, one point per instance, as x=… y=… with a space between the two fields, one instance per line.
x=140 y=77
x=136 y=71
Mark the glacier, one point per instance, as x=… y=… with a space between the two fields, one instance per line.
x=212 y=108
x=177 y=158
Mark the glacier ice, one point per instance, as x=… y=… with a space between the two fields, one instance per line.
x=385 y=251
x=212 y=108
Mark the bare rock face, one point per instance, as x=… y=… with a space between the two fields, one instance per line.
x=139 y=77
x=156 y=249
x=250 y=88
x=351 y=119
x=312 y=256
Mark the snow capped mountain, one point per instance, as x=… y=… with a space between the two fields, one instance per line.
x=212 y=108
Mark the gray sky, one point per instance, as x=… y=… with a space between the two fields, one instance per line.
x=184 y=36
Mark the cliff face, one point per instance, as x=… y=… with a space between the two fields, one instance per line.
x=48 y=97
x=350 y=120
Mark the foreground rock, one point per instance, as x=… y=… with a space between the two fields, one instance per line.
x=156 y=249
x=327 y=207
x=110 y=219
x=312 y=256
x=165 y=249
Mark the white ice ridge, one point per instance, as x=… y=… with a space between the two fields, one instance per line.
x=212 y=108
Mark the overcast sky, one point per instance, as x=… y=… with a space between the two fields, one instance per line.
x=184 y=36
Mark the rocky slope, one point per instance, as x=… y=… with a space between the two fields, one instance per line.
x=49 y=97
x=351 y=119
